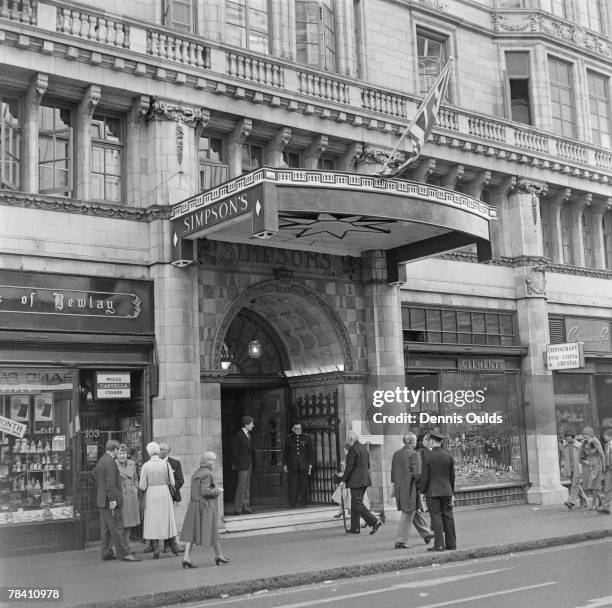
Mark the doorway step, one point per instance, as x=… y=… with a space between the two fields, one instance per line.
x=288 y=520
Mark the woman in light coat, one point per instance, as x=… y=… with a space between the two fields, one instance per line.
x=159 y=522
x=130 y=511
x=592 y=459
x=201 y=525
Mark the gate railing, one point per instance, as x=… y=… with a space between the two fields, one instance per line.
x=318 y=413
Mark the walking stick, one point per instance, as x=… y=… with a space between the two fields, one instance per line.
x=343 y=510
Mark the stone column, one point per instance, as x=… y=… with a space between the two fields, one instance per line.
x=314 y=151
x=29 y=165
x=387 y=372
x=556 y=235
x=599 y=250
x=235 y=140
x=500 y=244
x=582 y=200
x=136 y=160
x=532 y=317
x=454 y=174
x=349 y=158
x=83 y=141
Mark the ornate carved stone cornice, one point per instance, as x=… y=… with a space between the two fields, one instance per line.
x=525 y=185
x=141 y=105
x=198 y=117
x=328 y=378
x=65 y=205
x=376 y=155
x=212 y=375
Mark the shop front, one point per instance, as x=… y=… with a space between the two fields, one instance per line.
x=75 y=363
x=467 y=367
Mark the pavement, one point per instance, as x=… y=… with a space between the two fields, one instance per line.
x=295 y=558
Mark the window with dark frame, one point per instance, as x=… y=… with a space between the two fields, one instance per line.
x=252 y=157
x=213 y=166
x=106 y=181
x=599 y=109
x=546 y=228
x=315 y=26
x=567 y=243
x=606 y=224
x=452 y=326
x=55 y=153
x=292 y=159
x=179 y=15
x=558 y=8
x=431 y=52
x=562 y=97
x=247 y=24
x=10 y=144
x=587 y=237
x=517 y=68
x=326 y=164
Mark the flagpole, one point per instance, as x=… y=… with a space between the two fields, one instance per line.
x=443 y=76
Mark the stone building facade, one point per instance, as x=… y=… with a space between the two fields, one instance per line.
x=113 y=114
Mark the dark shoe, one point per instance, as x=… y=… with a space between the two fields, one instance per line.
x=187 y=564
x=402 y=546
x=221 y=560
x=450 y=548
x=569 y=505
x=427 y=539
x=246 y=510
x=176 y=550
x=353 y=531
x=364 y=525
x=604 y=511
x=376 y=526
x=436 y=549
x=108 y=558
x=166 y=546
x=149 y=549
x=130 y=557
x=236 y=513
x=337 y=515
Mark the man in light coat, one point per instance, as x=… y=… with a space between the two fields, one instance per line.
x=607 y=499
x=572 y=467
x=405 y=475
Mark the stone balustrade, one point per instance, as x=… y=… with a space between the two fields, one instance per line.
x=24 y=11
x=530 y=140
x=381 y=101
x=177 y=48
x=254 y=69
x=97 y=28
x=486 y=128
x=323 y=86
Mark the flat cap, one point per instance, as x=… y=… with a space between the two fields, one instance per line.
x=435 y=435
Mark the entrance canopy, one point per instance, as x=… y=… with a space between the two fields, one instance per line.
x=335 y=213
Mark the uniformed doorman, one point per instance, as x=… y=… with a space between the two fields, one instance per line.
x=297 y=463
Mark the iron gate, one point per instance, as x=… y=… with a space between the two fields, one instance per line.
x=318 y=413
x=90 y=446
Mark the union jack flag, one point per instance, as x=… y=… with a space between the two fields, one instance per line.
x=421 y=125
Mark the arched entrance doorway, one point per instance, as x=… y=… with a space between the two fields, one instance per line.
x=304 y=349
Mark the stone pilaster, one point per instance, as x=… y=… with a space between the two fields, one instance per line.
x=313 y=152
x=83 y=141
x=578 y=205
x=136 y=160
x=172 y=171
x=556 y=203
x=29 y=167
x=349 y=158
x=454 y=174
x=532 y=319
x=599 y=252
x=476 y=186
x=500 y=243
x=276 y=146
x=386 y=366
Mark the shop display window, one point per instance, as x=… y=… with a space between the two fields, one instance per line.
x=35 y=455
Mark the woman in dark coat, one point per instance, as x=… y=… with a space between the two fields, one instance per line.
x=201 y=524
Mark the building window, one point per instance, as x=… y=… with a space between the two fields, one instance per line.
x=519 y=102
x=561 y=96
x=558 y=8
x=106 y=158
x=326 y=164
x=509 y=3
x=247 y=24
x=316 y=33
x=567 y=245
x=545 y=220
x=587 y=237
x=292 y=160
x=54 y=150
x=431 y=53
x=252 y=157
x=179 y=15
x=212 y=162
x=448 y=326
x=606 y=224
x=593 y=14
x=599 y=108
x=10 y=144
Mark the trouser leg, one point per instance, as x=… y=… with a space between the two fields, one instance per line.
x=303 y=486
x=420 y=523
x=292 y=487
x=607 y=499
x=106 y=547
x=448 y=523
x=242 y=491
x=434 y=505
x=358 y=509
x=574 y=489
x=121 y=545
x=403 y=528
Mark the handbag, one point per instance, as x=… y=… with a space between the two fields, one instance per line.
x=174 y=493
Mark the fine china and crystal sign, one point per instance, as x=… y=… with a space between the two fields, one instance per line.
x=564 y=356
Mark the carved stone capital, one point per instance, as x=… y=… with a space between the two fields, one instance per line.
x=476 y=186
x=601 y=207
x=141 y=105
x=281 y=138
x=170 y=111
x=422 y=173
x=581 y=201
x=507 y=185
x=317 y=147
x=527 y=186
x=349 y=158
x=454 y=174
x=557 y=200
x=90 y=100
x=36 y=90
x=241 y=131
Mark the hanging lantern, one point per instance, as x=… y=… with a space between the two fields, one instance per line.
x=254 y=349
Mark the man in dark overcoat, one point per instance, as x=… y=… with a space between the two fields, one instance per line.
x=438 y=485
x=243 y=461
x=357 y=479
x=298 y=459
x=405 y=475
x=109 y=499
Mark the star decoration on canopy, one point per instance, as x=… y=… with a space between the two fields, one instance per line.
x=336 y=225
